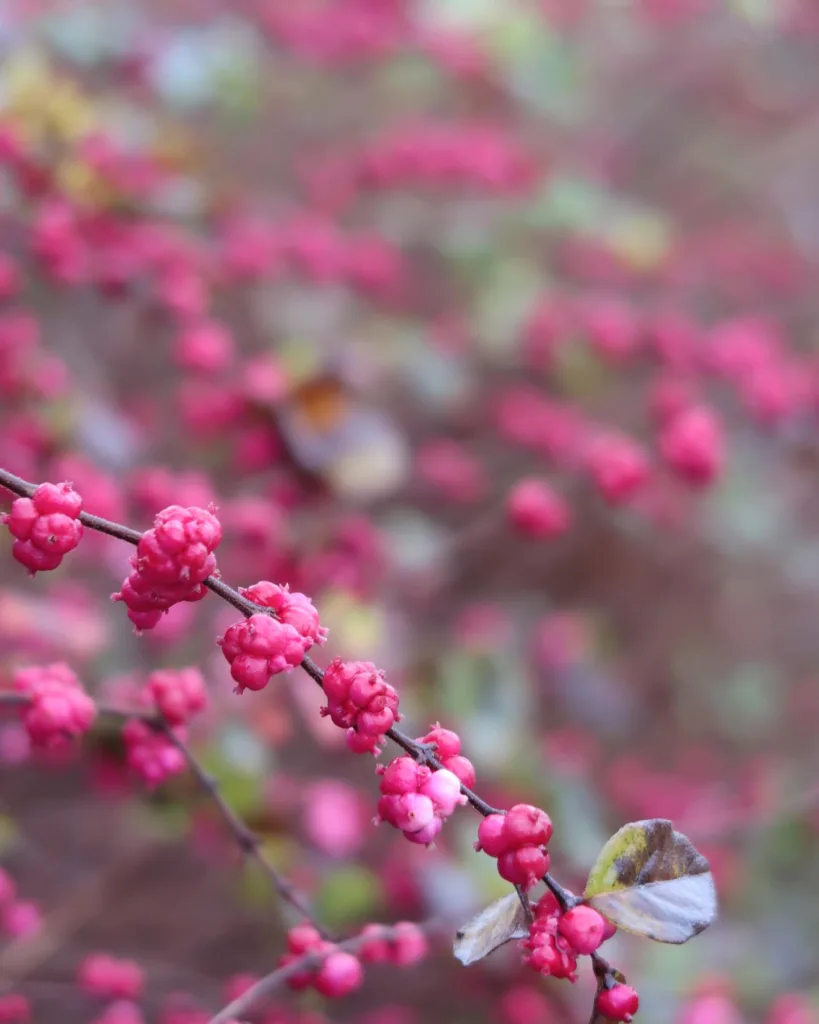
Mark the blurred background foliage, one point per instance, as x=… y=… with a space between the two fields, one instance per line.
x=658 y=659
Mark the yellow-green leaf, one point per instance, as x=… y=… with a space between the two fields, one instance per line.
x=652 y=881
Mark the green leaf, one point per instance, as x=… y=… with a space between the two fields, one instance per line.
x=652 y=881
x=500 y=922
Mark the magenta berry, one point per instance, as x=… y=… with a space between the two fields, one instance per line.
x=151 y=755
x=491 y=838
x=618 y=1003
x=45 y=526
x=358 y=697
x=260 y=647
x=447 y=743
x=14 y=1008
x=692 y=445
x=583 y=927
x=58 y=709
x=292 y=608
x=618 y=466
x=110 y=978
x=178 y=694
x=535 y=510
x=524 y=866
x=444 y=790
x=524 y=824
x=339 y=974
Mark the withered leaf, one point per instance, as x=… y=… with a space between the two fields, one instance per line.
x=652 y=881
x=500 y=922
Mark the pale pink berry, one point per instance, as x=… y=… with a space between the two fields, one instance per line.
x=339 y=974
x=583 y=927
x=444 y=790
x=425 y=836
x=409 y=812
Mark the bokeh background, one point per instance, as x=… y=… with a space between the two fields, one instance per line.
x=351 y=269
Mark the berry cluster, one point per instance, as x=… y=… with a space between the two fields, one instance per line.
x=556 y=939
x=177 y=694
x=518 y=839
x=339 y=972
x=172 y=561
x=360 y=700
x=150 y=754
x=110 y=977
x=45 y=526
x=261 y=646
x=448 y=751
x=58 y=709
x=404 y=944
x=416 y=799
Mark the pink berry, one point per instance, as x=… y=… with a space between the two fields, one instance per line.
x=50 y=498
x=292 y=608
x=491 y=837
x=14 y=1009
x=692 y=444
x=7 y=887
x=461 y=767
x=618 y=466
x=527 y=825
x=447 y=743
x=178 y=694
x=409 y=944
x=206 y=347
x=618 y=1003
x=524 y=866
x=444 y=790
x=303 y=938
x=535 y=510
x=400 y=776
x=339 y=974
x=583 y=927
x=427 y=835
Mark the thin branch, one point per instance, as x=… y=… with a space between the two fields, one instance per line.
x=270 y=982
x=248 y=841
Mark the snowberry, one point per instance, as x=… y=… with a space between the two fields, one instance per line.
x=292 y=608
x=692 y=445
x=583 y=927
x=535 y=510
x=524 y=866
x=491 y=838
x=151 y=754
x=618 y=1003
x=618 y=467
x=14 y=1009
x=260 y=647
x=358 y=697
x=340 y=973
x=58 y=708
x=45 y=526
x=178 y=694
x=172 y=561
x=107 y=976
x=448 y=751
